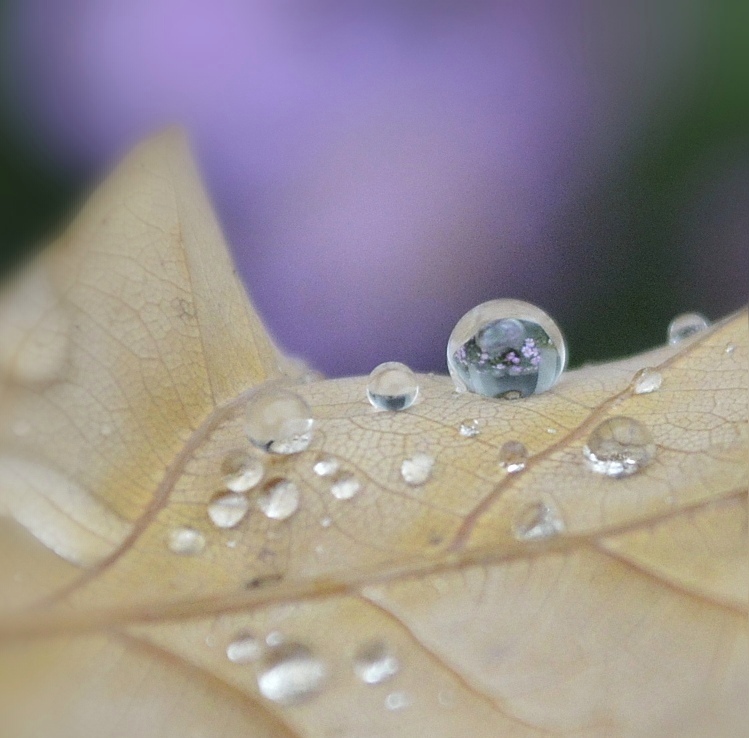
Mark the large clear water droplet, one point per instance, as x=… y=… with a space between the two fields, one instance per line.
x=227 y=509
x=291 y=674
x=186 y=541
x=513 y=456
x=245 y=648
x=241 y=471
x=345 y=487
x=507 y=349
x=536 y=522
x=279 y=421
x=374 y=663
x=326 y=466
x=686 y=325
x=619 y=446
x=647 y=380
x=392 y=386
x=280 y=500
x=469 y=428
x=417 y=469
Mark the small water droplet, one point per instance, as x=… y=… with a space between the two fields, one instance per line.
x=512 y=456
x=536 y=522
x=210 y=640
x=241 y=471
x=186 y=541
x=446 y=698
x=374 y=663
x=686 y=325
x=397 y=701
x=345 y=487
x=326 y=522
x=469 y=428
x=291 y=674
x=730 y=348
x=326 y=466
x=647 y=380
x=507 y=349
x=280 y=500
x=417 y=469
x=392 y=386
x=279 y=421
x=106 y=430
x=274 y=638
x=619 y=446
x=551 y=431
x=244 y=648
x=227 y=509
x=231 y=543
x=21 y=428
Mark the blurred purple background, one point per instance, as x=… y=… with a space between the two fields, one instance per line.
x=381 y=167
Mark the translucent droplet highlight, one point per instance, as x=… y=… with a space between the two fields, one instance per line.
x=686 y=325
x=345 y=487
x=536 y=522
x=392 y=386
x=280 y=499
x=244 y=649
x=241 y=471
x=326 y=466
x=279 y=421
x=375 y=663
x=506 y=348
x=513 y=456
x=619 y=446
x=469 y=428
x=417 y=470
x=228 y=509
x=397 y=701
x=186 y=541
x=647 y=380
x=291 y=674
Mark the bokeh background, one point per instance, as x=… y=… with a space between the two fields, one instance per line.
x=381 y=166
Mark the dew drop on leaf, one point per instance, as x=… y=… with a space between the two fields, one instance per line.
x=345 y=487
x=513 y=456
x=686 y=325
x=507 y=349
x=245 y=648
x=227 y=509
x=730 y=348
x=241 y=472
x=326 y=466
x=416 y=470
x=374 y=663
x=280 y=499
x=291 y=673
x=279 y=421
x=536 y=522
x=619 y=446
x=392 y=386
x=397 y=701
x=647 y=380
x=469 y=428
x=186 y=541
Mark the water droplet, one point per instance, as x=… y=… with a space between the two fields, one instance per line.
x=686 y=325
x=291 y=674
x=279 y=421
x=241 y=471
x=232 y=543
x=469 y=428
x=446 y=698
x=244 y=649
x=397 y=701
x=106 y=430
x=326 y=466
x=730 y=348
x=280 y=499
x=186 y=541
x=227 y=509
x=536 y=522
x=374 y=663
x=274 y=638
x=506 y=348
x=619 y=446
x=512 y=456
x=551 y=431
x=345 y=487
x=647 y=380
x=326 y=522
x=392 y=386
x=417 y=469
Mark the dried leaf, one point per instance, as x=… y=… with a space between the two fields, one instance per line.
x=620 y=612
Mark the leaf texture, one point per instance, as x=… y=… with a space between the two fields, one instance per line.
x=127 y=359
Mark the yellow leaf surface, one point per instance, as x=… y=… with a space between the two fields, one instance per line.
x=127 y=359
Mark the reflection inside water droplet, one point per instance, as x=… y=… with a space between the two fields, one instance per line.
x=686 y=325
x=392 y=386
x=241 y=471
x=291 y=674
x=417 y=470
x=469 y=428
x=345 y=487
x=186 y=541
x=513 y=456
x=326 y=466
x=619 y=446
x=280 y=500
x=244 y=649
x=647 y=380
x=374 y=663
x=227 y=509
x=537 y=521
x=279 y=421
